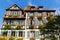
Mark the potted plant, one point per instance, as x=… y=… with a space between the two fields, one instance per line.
x=48 y=17
x=10 y=16
x=19 y=26
x=31 y=26
x=39 y=17
x=51 y=15
x=41 y=25
x=13 y=16
x=32 y=17
x=7 y=26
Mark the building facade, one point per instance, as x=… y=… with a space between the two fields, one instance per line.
x=25 y=23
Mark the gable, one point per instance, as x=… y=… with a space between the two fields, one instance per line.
x=14 y=7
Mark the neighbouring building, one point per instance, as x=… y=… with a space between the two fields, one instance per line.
x=25 y=23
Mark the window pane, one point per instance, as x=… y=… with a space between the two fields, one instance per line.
x=37 y=34
x=13 y=12
x=28 y=34
x=4 y=33
x=32 y=34
x=20 y=33
x=21 y=22
x=13 y=33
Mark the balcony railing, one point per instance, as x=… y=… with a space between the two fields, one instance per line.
x=14 y=16
x=9 y=26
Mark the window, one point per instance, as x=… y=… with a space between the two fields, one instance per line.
x=13 y=12
x=9 y=22
x=31 y=14
x=20 y=33
x=4 y=33
x=28 y=34
x=13 y=33
x=32 y=21
x=40 y=22
x=21 y=22
x=32 y=34
x=48 y=13
x=37 y=34
x=39 y=13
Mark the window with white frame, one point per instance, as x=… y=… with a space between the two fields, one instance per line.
x=31 y=14
x=32 y=34
x=39 y=13
x=21 y=22
x=20 y=33
x=37 y=34
x=32 y=21
x=13 y=33
x=40 y=21
x=28 y=34
x=4 y=33
x=9 y=22
x=14 y=13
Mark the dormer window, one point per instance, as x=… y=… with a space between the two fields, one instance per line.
x=32 y=7
x=40 y=7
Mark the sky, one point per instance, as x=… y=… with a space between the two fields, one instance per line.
x=48 y=4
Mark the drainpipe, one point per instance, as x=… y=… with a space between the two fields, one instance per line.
x=25 y=27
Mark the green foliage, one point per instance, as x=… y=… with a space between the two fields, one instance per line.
x=12 y=38
x=19 y=26
x=19 y=38
x=42 y=39
x=13 y=16
x=7 y=26
x=31 y=26
x=32 y=38
x=3 y=38
x=53 y=38
x=51 y=24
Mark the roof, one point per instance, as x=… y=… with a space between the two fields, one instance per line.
x=29 y=7
x=36 y=9
x=14 y=5
x=40 y=10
